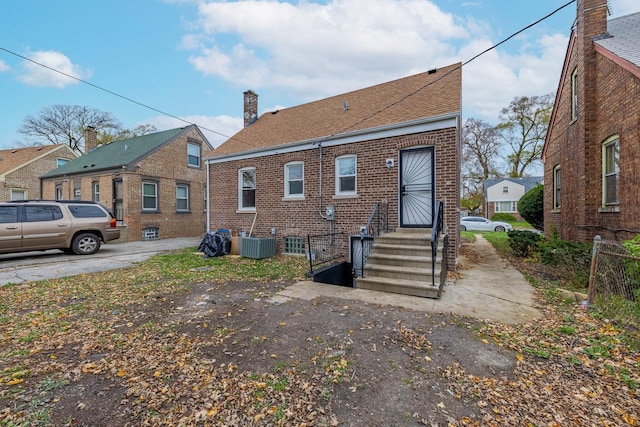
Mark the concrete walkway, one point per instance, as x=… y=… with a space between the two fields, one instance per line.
x=488 y=288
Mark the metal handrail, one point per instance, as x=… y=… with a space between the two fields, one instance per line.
x=436 y=230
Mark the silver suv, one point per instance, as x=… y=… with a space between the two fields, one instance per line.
x=71 y=225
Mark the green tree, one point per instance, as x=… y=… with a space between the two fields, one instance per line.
x=531 y=207
x=524 y=128
x=65 y=124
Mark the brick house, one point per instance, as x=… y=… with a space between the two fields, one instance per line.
x=592 y=150
x=321 y=167
x=501 y=195
x=154 y=184
x=21 y=167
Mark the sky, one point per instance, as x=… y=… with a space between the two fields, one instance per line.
x=173 y=62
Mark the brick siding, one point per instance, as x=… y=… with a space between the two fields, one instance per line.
x=167 y=167
x=608 y=104
x=375 y=183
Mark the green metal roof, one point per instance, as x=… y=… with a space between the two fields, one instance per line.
x=117 y=154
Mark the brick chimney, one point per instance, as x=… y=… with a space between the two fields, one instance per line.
x=90 y=138
x=250 y=107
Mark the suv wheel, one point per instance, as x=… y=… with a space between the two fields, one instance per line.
x=85 y=244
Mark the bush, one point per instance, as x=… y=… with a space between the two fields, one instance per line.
x=531 y=207
x=506 y=217
x=523 y=242
x=573 y=259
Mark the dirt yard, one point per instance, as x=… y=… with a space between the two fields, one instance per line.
x=226 y=355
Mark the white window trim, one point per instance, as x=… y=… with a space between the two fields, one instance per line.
x=557 y=187
x=288 y=195
x=610 y=141
x=199 y=156
x=22 y=190
x=574 y=94
x=337 y=176
x=188 y=198
x=240 y=171
x=95 y=194
x=155 y=184
x=514 y=206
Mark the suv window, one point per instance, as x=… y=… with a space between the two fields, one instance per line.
x=42 y=213
x=8 y=214
x=86 y=211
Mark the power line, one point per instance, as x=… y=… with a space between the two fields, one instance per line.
x=109 y=91
x=327 y=137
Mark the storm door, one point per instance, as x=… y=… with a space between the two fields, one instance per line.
x=417 y=185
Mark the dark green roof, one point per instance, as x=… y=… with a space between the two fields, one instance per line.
x=117 y=153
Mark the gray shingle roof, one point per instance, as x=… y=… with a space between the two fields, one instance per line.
x=625 y=37
x=528 y=182
x=117 y=153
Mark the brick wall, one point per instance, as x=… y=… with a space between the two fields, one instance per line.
x=167 y=167
x=27 y=177
x=375 y=183
x=608 y=104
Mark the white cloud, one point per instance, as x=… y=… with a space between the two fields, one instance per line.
x=319 y=50
x=217 y=129
x=35 y=74
x=4 y=67
x=624 y=7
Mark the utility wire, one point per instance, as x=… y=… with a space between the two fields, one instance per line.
x=109 y=91
x=327 y=137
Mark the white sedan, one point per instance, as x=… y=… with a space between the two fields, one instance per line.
x=478 y=223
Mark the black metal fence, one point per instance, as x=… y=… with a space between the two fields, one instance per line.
x=324 y=248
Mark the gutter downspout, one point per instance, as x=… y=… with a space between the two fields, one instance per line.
x=320 y=189
x=206 y=197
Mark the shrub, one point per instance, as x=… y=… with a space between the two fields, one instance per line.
x=523 y=242
x=531 y=207
x=501 y=216
x=572 y=258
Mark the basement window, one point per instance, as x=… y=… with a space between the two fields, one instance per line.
x=150 y=233
x=294 y=245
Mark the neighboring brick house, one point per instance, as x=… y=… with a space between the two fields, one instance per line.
x=396 y=143
x=21 y=167
x=592 y=150
x=155 y=184
x=501 y=195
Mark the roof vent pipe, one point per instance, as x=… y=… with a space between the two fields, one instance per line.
x=345 y=105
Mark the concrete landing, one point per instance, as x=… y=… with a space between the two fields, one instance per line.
x=488 y=288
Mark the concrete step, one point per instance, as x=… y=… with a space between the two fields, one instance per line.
x=407 y=250
x=394 y=259
x=400 y=286
x=402 y=273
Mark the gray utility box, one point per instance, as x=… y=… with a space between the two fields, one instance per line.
x=258 y=247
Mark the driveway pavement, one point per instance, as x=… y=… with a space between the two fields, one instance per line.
x=490 y=289
x=31 y=266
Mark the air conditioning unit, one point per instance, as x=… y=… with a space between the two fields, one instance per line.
x=258 y=247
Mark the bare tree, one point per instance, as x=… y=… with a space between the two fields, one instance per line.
x=480 y=155
x=65 y=124
x=524 y=128
x=106 y=137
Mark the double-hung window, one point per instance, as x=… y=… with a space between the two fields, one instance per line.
x=247 y=189
x=18 y=194
x=574 y=94
x=182 y=198
x=193 y=155
x=294 y=179
x=96 y=191
x=556 y=187
x=149 y=196
x=346 y=175
x=610 y=171
x=510 y=206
